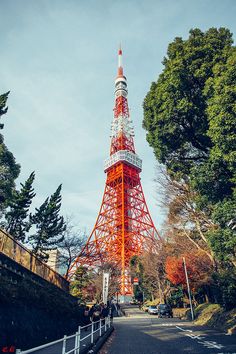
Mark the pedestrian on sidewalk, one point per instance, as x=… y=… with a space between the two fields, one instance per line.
x=86 y=318
x=104 y=313
x=91 y=311
x=96 y=317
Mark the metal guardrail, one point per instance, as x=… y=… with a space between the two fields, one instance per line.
x=20 y=254
x=99 y=327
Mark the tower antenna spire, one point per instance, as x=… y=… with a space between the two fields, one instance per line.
x=120 y=62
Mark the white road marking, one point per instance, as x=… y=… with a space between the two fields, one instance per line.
x=210 y=345
x=205 y=343
x=180 y=328
x=193 y=336
x=184 y=330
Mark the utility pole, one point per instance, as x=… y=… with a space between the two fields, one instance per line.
x=189 y=293
x=160 y=291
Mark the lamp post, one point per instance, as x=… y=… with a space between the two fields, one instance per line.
x=189 y=293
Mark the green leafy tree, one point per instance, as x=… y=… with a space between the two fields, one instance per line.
x=215 y=179
x=49 y=225
x=189 y=115
x=175 y=108
x=223 y=238
x=148 y=269
x=17 y=223
x=226 y=280
x=3 y=108
x=82 y=280
x=136 y=268
x=9 y=169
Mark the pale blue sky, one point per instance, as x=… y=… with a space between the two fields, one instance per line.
x=59 y=59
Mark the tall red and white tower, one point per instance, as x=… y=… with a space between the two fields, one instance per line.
x=124 y=227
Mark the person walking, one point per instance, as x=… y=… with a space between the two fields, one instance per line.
x=105 y=311
x=96 y=317
x=86 y=318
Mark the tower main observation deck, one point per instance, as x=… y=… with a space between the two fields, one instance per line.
x=124 y=227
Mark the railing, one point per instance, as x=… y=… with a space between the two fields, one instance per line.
x=123 y=155
x=20 y=254
x=98 y=328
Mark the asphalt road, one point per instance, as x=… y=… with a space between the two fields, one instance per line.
x=140 y=333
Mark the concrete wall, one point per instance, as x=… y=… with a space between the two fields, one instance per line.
x=32 y=310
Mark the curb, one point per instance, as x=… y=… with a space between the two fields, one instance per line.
x=95 y=348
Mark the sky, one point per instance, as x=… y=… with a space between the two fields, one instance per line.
x=59 y=59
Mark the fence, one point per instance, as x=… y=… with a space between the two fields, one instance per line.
x=20 y=254
x=73 y=343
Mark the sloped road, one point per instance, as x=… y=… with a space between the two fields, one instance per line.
x=140 y=333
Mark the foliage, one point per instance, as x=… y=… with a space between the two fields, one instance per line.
x=71 y=246
x=198 y=268
x=9 y=169
x=3 y=108
x=95 y=290
x=189 y=115
x=223 y=243
x=225 y=292
x=149 y=269
x=137 y=271
x=49 y=225
x=14 y=204
x=17 y=223
x=175 y=113
x=215 y=316
x=176 y=296
x=80 y=284
x=205 y=313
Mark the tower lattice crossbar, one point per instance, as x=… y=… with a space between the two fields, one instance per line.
x=124 y=227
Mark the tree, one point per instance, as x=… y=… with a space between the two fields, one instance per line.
x=216 y=179
x=221 y=112
x=148 y=268
x=187 y=221
x=79 y=285
x=49 y=225
x=3 y=108
x=225 y=293
x=17 y=223
x=189 y=115
x=9 y=169
x=97 y=282
x=175 y=108
x=71 y=246
x=198 y=266
x=136 y=271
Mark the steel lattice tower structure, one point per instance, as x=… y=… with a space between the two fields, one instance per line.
x=124 y=227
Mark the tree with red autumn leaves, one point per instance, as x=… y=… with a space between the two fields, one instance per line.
x=198 y=266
